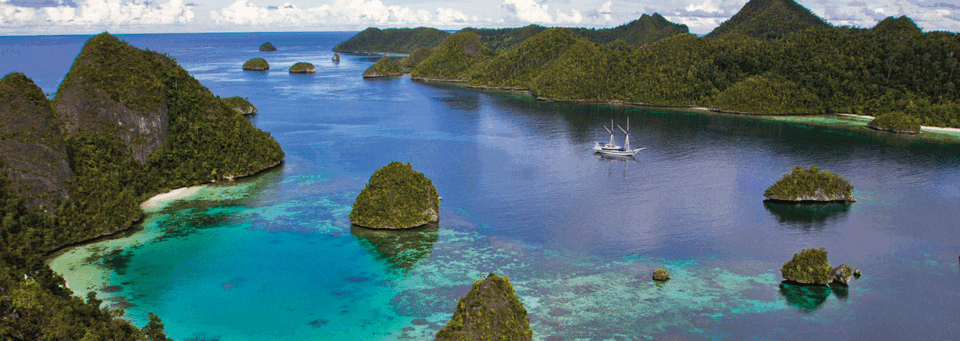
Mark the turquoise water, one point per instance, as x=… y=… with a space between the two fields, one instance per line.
x=275 y=257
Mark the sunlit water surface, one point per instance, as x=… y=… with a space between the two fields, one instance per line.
x=275 y=257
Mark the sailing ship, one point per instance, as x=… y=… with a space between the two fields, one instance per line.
x=611 y=149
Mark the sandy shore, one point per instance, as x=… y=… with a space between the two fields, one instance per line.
x=174 y=194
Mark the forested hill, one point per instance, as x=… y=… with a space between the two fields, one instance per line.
x=646 y=29
x=819 y=69
x=769 y=19
x=127 y=124
x=392 y=40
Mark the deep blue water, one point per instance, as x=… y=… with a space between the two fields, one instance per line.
x=275 y=257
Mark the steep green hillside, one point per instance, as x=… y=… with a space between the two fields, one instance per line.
x=645 y=30
x=385 y=67
x=455 y=59
x=397 y=40
x=519 y=66
x=769 y=19
x=415 y=58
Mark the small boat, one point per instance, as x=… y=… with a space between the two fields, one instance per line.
x=598 y=146
x=621 y=151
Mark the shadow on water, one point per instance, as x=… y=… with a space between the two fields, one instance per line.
x=807 y=216
x=809 y=298
x=402 y=249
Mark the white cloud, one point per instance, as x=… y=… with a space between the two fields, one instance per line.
x=450 y=16
x=529 y=11
x=342 y=12
x=13 y=15
x=605 y=11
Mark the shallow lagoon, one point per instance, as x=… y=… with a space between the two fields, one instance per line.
x=274 y=257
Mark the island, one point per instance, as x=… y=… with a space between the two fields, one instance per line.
x=396 y=197
x=810 y=267
x=810 y=185
x=774 y=57
x=125 y=124
x=385 y=67
x=256 y=64
x=490 y=311
x=336 y=58
x=302 y=68
x=661 y=274
x=398 y=40
x=267 y=47
x=241 y=105
x=895 y=122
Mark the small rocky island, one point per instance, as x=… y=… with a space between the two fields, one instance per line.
x=397 y=197
x=661 y=274
x=811 y=267
x=303 y=67
x=811 y=185
x=241 y=105
x=267 y=47
x=895 y=122
x=336 y=58
x=256 y=64
x=490 y=311
x=385 y=67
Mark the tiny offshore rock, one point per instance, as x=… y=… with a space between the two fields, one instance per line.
x=267 y=47
x=661 y=274
x=841 y=274
x=856 y=273
x=396 y=197
x=336 y=58
x=256 y=64
x=303 y=68
x=810 y=185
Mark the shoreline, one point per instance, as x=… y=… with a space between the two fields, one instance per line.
x=178 y=193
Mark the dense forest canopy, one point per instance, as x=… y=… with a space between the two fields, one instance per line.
x=203 y=139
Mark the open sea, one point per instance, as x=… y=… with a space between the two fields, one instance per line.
x=274 y=257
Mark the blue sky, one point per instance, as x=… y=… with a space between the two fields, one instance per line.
x=33 y=17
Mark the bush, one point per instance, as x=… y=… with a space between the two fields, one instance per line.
x=810 y=266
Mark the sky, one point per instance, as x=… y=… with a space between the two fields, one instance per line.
x=44 y=17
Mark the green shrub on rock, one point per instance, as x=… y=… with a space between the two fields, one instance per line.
x=810 y=184
x=810 y=266
x=256 y=64
x=897 y=122
x=397 y=197
x=303 y=67
x=490 y=311
x=267 y=47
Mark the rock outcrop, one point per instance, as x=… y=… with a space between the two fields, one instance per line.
x=490 y=311
x=33 y=154
x=256 y=64
x=336 y=58
x=841 y=274
x=397 y=197
x=115 y=89
x=241 y=105
x=267 y=47
x=811 y=267
x=811 y=185
x=303 y=67
x=385 y=67
x=661 y=274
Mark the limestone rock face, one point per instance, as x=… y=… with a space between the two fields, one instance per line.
x=32 y=148
x=397 y=197
x=109 y=90
x=241 y=105
x=490 y=311
x=841 y=274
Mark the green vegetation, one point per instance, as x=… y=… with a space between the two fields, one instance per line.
x=647 y=29
x=896 y=121
x=661 y=274
x=206 y=140
x=267 y=47
x=241 y=105
x=256 y=64
x=398 y=40
x=385 y=67
x=768 y=19
x=415 y=58
x=810 y=266
x=455 y=59
x=490 y=311
x=396 y=197
x=810 y=185
x=303 y=67
x=518 y=66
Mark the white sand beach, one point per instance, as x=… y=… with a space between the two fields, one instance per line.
x=171 y=195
